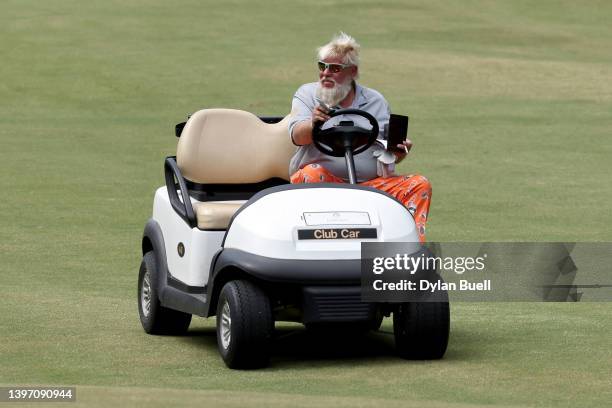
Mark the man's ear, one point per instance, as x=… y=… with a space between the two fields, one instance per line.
x=355 y=72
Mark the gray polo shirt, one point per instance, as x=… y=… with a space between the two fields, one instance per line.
x=366 y=99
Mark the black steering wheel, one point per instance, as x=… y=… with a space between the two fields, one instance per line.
x=334 y=141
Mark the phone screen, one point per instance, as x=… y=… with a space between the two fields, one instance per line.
x=398 y=131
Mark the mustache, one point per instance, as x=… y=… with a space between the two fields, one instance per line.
x=328 y=79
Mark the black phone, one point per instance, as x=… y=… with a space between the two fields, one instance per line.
x=397 y=131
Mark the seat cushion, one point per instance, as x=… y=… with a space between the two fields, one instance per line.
x=215 y=214
x=226 y=146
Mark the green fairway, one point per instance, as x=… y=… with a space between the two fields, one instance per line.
x=511 y=115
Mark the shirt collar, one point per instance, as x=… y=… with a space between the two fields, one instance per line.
x=360 y=97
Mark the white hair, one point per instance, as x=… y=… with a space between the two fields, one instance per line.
x=341 y=46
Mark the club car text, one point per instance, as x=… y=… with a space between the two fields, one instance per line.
x=337 y=233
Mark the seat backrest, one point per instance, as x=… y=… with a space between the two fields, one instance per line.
x=233 y=146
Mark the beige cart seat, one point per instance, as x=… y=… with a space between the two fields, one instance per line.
x=215 y=214
x=226 y=146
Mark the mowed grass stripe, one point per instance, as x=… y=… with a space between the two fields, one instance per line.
x=88 y=396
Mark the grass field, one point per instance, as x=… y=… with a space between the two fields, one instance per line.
x=511 y=115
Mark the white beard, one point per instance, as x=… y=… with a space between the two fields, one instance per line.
x=333 y=96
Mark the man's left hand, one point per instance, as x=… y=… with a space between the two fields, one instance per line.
x=402 y=150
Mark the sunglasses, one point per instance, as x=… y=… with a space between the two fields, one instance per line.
x=333 y=68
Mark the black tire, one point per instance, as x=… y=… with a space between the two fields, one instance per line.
x=421 y=330
x=377 y=321
x=157 y=319
x=244 y=341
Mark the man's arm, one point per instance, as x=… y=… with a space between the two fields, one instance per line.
x=302 y=131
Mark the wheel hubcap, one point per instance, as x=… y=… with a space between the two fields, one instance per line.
x=226 y=325
x=145 y=295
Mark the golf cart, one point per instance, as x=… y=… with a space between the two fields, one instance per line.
x=231 y=238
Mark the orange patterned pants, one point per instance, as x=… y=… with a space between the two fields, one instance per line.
x=414 y=191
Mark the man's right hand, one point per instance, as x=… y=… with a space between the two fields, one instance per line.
x=302 y=132
x=319 y=115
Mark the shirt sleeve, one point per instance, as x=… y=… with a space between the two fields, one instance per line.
x=384 y=121
x=302 y=106
x=383 y=112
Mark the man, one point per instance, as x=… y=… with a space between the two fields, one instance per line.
x=337 y=87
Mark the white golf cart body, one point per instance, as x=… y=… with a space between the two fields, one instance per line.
x=243 y=218
x=268 y=227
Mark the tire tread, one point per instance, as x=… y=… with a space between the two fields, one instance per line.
x=161 y=320
x=252 y=322
x=421 y=330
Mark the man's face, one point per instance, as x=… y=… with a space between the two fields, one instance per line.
x=329 y=79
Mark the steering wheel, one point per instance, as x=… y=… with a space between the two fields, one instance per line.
x=334 y=141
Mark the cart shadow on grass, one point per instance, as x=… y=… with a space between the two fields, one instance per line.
x=295 y=346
